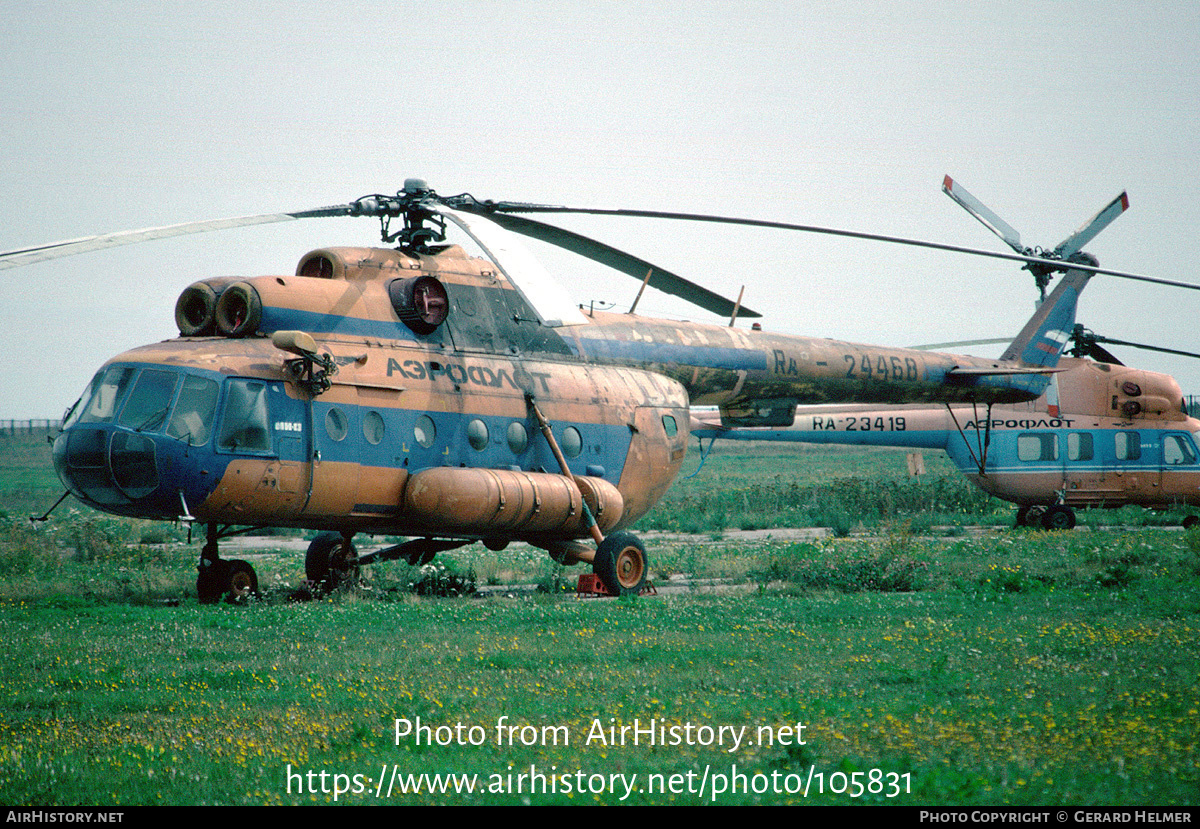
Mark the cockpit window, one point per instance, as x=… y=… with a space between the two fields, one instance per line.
x=193 y=418
x=73 y=414
x=146 y=409
x=103 y=405
x=244 y=424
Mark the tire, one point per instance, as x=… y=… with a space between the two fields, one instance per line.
x=621 y=564
x=1030 y=516
x=242 y=581
x=212 y=582
x=1059 y=517
x=327 y=565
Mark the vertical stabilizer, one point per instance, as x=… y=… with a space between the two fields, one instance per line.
x=1041 y=341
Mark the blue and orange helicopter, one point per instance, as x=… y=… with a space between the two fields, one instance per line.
x=416 y=391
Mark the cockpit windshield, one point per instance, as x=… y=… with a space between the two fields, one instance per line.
x=102 y=405
x=146 y=408
x=141 y=400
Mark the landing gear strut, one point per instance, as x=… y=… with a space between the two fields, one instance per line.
x=620 y=559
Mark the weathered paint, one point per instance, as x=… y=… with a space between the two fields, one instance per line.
x=401 y=402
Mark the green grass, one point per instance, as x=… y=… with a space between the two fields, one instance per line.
x=28 y=485
x=760 y=486
x=1008 y=667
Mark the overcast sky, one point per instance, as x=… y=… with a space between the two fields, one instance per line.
x=125 y=115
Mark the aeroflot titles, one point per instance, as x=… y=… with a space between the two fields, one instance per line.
x=477 y=375
x=1043 y=423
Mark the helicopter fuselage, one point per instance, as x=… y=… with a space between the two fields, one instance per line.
x=412 y=411
x=1103 y=436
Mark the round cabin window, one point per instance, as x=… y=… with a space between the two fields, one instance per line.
x=425 y=432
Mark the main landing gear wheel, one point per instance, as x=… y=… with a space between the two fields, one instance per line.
x=621 y=564
x=331 y=561
x=1059 y=517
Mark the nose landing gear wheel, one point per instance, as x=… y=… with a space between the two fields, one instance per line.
x=212 y=581
x=243 y=581
x=621 y=564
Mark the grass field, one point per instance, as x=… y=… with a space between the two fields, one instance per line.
x=927 y=660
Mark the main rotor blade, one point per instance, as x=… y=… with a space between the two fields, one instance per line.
x=981 y=212
x=548 y=299
x=960 y=344
x=1075 y=242
x=636 y=267
x=70 y=247
x=1098 y=339
x=485 y=208
x=1099 y=353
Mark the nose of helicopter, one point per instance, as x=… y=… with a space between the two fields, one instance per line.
x=113 y=469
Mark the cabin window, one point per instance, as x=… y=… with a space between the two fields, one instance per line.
x=335 y=424
x=518 y=437
x=373 y=428
x=1079 y=446
x=1128 y=445
x=149 y=401
x=425 y=432
x=1178 y=451
x=245 y=419
x=1037 y=446
x=572 y=442
x=477 y=435
x=670 y=426
x=193 y=418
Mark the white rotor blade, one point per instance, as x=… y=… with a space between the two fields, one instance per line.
x=1092 y=226
x=70 y=247
x=524 y=272
x=980 y=211
x=960 y=344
